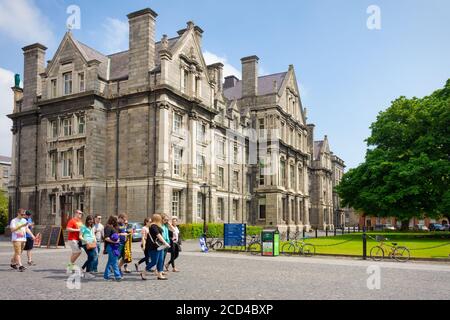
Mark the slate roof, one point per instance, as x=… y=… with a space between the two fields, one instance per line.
x=317 y=148
x=5 y=160
x=118 y=61
x=265 y=86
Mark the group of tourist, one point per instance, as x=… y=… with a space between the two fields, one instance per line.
x=160 y=235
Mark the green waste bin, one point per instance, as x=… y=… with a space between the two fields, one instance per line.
x=270 y=243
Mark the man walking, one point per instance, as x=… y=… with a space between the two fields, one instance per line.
x=99 y=231
x=30 y=241
x=73 y=229
x=19 y=229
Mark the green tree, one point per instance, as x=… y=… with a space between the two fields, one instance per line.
x=3 y=211
x=407 y=167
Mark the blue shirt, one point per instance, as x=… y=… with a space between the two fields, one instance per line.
x=30 y=221
x=165 y=233
x=122 y=229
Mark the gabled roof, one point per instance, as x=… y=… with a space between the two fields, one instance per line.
x=265 y=86
x=317 y=149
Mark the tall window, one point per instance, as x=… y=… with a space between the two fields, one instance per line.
x=261 y=127
x=200 y=166
x=220 y=209
x=221 y=147
x=198 y=87
x=292 y=176
x=67 y=127
x=184 y=80
x=54 y=129
x=201 y=132
x=262 y=209
x=236 y=180
x=53 y=204
x=220 y=176
x=262 y=176
x=80 y=161
x=67 y=83
x=283 y=173
x=200 y=205
x=54 y=88
x=177 y=156
x=176 y=196
x=235 y=152
x=235 y=209
x=81 y=202
x=66 y=158
x=81 y=124
x=82 y=85
x=177 y=122
x=53 y=162
x=300 y=178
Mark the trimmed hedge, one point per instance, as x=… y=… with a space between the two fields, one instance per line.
x=215 y=230
x=3 y=212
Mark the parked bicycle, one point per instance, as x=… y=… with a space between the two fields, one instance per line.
x=394 y=251
x=254 y=246
x=214 y=243
x=298 y=247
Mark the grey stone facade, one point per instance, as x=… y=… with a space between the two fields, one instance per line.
x=140 y=131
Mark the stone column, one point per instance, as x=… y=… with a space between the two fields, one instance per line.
x=163 y=141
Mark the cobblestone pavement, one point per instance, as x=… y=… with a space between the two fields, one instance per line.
x=218 y=276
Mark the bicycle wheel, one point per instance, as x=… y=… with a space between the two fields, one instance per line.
x=254 y=248
x=288 y=249
x=217 y=245
x=401 y=254
x=308 y=250
x=377 y=253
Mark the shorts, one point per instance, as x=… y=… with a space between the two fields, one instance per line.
x=29 y=245
x=18 y=247
x=74 y=245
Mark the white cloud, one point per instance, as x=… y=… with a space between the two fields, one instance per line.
x=228 y=69
x=21 y=20
x=6 y=107
x=116 y=36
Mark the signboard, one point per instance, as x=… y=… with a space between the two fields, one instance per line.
x=45 y=236
x=203 y=245
x=56 y=238
x=235 y=235
x=268 y=249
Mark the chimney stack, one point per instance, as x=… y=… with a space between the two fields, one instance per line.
x=230 y=82
x=34 y=65
x=142 y=48
x=249 y=76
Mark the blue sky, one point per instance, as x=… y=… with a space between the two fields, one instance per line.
x=347 y=73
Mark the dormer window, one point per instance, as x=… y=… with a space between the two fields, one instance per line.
x=67 y=83
x=54 y=87
x=81 y=81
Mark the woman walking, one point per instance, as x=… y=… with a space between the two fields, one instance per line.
x=89 y=244
x=166 y=227
x=112 y=245
x=155 y=246
x=144 y=232
x=175 y=247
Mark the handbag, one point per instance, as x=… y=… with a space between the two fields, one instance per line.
x=91 y=246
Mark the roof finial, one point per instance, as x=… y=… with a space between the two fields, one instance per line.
x=190 y=25
x=165 y=42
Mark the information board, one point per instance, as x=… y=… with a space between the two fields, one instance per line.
x=235 y=235
x=56 y=238
x=45 y=236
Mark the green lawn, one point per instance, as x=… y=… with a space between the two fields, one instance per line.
x=351 y=244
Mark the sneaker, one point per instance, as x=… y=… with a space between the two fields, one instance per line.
x=14 y=266
x=119 y=279
x=22 y=269
x=31 y=263
x=89 y=275
x=70 y=266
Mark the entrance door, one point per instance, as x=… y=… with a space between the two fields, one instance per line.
x=66 y=209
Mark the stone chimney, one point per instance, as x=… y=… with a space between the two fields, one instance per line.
x=249 y=76
x=34 y=65
x=142 y=48
x=230 y=82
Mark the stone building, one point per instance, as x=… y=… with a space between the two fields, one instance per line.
x=341 y=215
x=141 y=131
x=5 y=170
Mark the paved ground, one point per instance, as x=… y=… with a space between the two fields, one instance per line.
x=230 y=276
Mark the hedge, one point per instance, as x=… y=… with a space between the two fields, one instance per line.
x=3 y=212
x=215 y=230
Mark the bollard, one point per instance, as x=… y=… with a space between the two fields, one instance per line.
x=335 y=232
x=364 y=244
x=343 y=230
x=354 y=229
x=326 y=231
x=304 y=230
x=316 y=233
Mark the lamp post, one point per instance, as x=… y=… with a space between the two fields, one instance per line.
x=205 y=189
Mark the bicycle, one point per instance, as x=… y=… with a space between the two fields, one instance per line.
x=254 y=247
x=398 y=253
x=298 y=247
x=214 y=243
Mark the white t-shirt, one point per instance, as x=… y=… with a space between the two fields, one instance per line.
x=176 y=233
x=99 y=231
x=20 y=234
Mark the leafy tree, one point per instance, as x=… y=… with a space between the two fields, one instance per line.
x=406 y=172
x=3 y=211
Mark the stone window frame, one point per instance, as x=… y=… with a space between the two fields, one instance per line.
x=235 y=180
x=67 y=82
x=82 y=80
x=84 y=123
x=220 y=179
x=235 y=209
x=53 y=164
x=53 y=88
x=83 y=150
x=221 y=141
x=260 y=200
x=201 y=164
x=282 y=173
x=175 y=130
x=292 y=175
x=201 y=137
x=70 y=164
x=178 y=193
x=63 y=126
x=53 y=125
x=199 y=210
x=176 y=147
x=53 y=204
x=221 y=204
